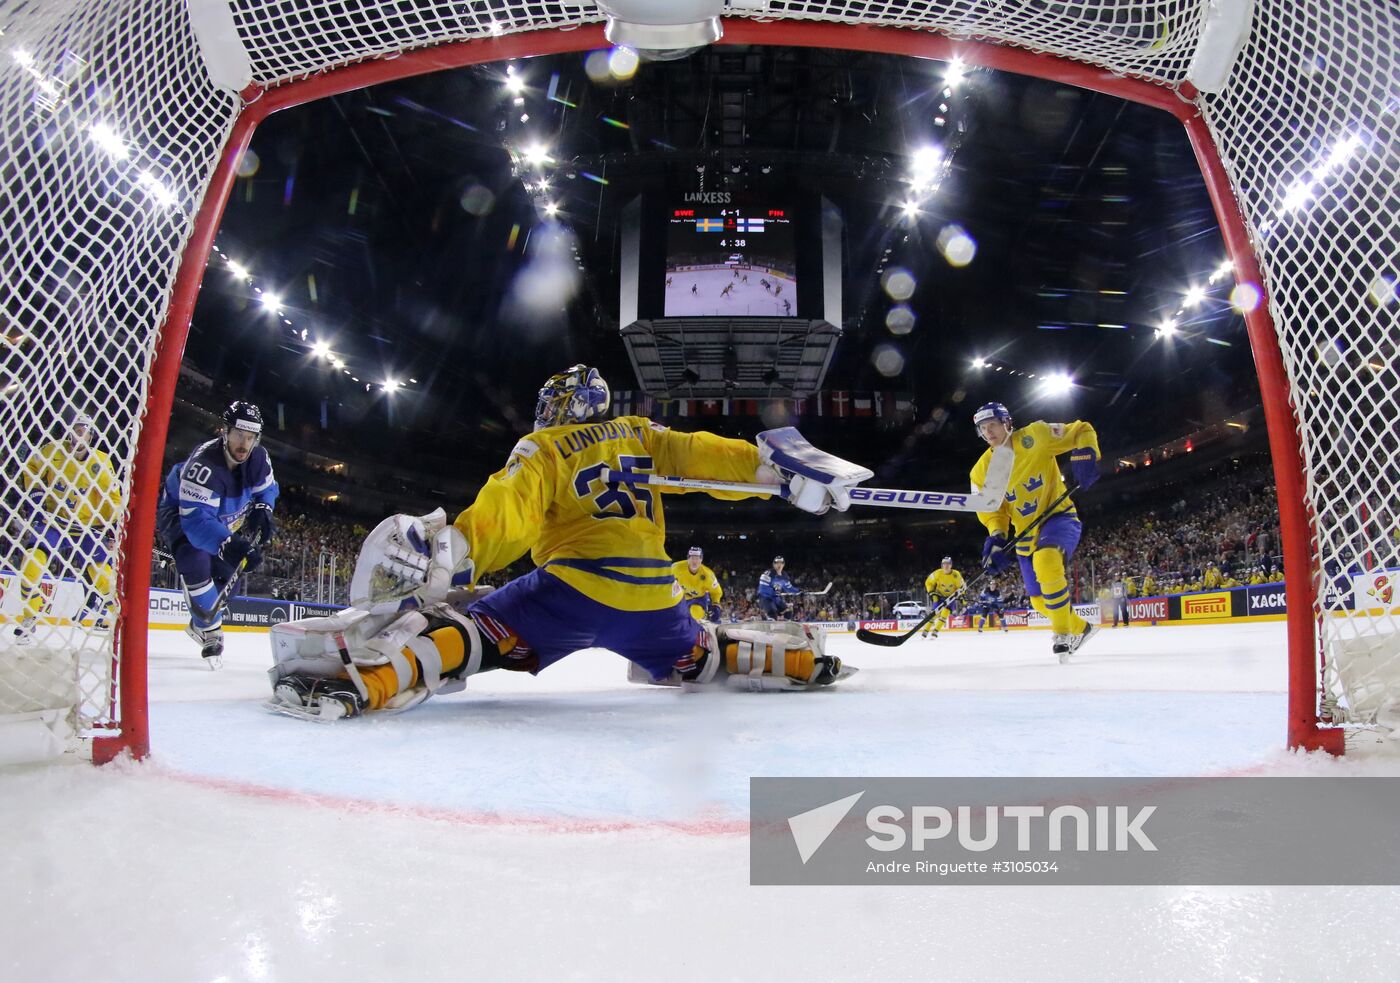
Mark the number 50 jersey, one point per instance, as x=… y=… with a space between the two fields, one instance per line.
x=606 y=541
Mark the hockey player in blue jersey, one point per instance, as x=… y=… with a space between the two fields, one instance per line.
x=989 y=605
x=774 y=588
x=215 y=513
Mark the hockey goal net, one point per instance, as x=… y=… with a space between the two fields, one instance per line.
x=122 y=121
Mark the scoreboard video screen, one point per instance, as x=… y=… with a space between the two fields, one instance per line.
x=730 y=260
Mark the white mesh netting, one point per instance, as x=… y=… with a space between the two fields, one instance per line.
x=111 y=130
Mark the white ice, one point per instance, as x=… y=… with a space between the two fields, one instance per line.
x=572 y=826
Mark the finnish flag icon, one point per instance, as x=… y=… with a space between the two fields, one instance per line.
x=811 y=828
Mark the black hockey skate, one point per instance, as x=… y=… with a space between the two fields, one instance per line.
x=211 y=644
x=321 y=700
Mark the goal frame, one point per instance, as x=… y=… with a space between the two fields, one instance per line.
x=1304 y=729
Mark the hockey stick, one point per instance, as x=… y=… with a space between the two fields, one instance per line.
x=819 y=593
x=891 y=641
x=224 y=591
x=987 y=500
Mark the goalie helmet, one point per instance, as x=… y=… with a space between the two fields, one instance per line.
x=78 y=428
x=576 y=395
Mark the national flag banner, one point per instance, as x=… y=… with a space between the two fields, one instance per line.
x=799 y=406
x=681 y=407
x=644 y=405
x=840 y=403
x=862 y=405
x=745 y=407
x=750 y=225
x=711 y=407
x=622 y=402
x=709 y=225
x=904 y=403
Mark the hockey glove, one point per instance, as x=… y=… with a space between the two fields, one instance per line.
x=259 y=525
x=713 y=613
x=995 y=556
x=816 y=481
x=236 y=549
x=1084 y=464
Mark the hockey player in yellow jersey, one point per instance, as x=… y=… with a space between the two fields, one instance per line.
x=1035 y=486
x=573 y=494
x=74 y=498
x=699 y=586
x=942 y=586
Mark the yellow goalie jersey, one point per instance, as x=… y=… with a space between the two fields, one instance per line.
x=606 y=541
x=941 y=584
x=1035 y=477
x=72 y=495
x=702 y=587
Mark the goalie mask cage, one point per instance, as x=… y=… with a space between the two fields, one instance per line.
x=123 y=120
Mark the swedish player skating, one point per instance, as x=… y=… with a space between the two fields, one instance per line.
x=699 y=585
x=1035 y=485
x=74 y=498
x=942 y=586
x=602 y=577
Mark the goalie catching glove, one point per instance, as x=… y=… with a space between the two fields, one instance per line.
x=817 y=481
x=410 y=561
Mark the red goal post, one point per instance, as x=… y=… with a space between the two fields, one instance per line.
x=109 y=246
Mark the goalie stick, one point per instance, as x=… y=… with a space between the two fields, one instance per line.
x=891 y=641
x=987 y=499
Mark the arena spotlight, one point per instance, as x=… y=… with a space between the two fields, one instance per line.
x=391 y=385
x=536 y=154
x=551 y=208
x=1194 y=295
x=910 y=209
x=271 y=302
x=1167 y=329
x=320 y=349
x=1057 y=383
x=955 y=73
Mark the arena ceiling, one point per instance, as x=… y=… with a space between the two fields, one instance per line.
x=394 y=225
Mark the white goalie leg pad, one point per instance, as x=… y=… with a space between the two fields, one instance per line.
x=760 y=654
x=410 y=561
x=312 y=646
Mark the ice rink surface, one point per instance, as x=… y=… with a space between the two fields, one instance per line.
x=572 y=826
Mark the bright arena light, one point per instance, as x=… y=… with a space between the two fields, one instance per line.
x=391 y=384
x=924 y=165
x=239 y=270
x=910 y=209
x=1057 y=383
x=551 y=208
x=271 y=302
x=515 y=84
x=1167 y=329
x=955 y=73
x=1194 y=296
x=979 y=363
x=320 y=349
x=536 y=154
x=108 y=139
